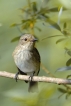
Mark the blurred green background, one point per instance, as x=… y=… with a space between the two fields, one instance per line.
x=52 y=56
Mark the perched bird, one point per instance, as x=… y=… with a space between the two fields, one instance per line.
x=27 y=59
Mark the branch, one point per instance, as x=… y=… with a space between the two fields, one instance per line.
x=36 y=78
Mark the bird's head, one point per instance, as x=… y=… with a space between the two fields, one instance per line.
x=27 y=41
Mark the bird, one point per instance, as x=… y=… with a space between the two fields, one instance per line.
x=27 y=59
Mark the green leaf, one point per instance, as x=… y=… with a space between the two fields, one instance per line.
x=29 y=3
x=68 y=51
x=53 y=9
x=65 y=25
x=53 y=24
x=34 y=6
x=62 y=90
x=60 y=12
x=15 y=39
x=68 y=94
x=38 y=28
x=43 y=10
x=41 y=16
x=45 y=16
x=51 y=36
x=68 y=63
x=13 y=25
x=64 y=68
x=25 y=26
x=65 y=33
x=23 y=21
x=60 y=40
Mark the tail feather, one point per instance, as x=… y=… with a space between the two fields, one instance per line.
x=33 y=86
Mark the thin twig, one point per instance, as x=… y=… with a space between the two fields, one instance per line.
x=36 y=78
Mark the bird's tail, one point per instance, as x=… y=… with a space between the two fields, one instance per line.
x=33 y=86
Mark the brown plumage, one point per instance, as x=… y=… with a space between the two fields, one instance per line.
x=27 y=59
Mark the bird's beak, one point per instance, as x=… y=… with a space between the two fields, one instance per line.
x=34 y=40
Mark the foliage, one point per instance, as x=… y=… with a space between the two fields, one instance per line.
x=31 y=15
x=66 y=91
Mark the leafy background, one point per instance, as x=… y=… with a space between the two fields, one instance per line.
x=52 y=51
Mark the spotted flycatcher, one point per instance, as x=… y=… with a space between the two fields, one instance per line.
x=27 y=59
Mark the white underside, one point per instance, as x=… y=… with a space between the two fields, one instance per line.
x=24 y=62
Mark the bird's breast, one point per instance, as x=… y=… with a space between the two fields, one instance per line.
x=24 y=61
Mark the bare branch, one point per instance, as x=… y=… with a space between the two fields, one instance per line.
x=36 y=78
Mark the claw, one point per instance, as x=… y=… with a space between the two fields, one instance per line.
x=16 y=76
x=31 y=76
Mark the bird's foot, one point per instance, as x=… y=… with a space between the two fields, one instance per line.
x=30 y=77
x=16 y=76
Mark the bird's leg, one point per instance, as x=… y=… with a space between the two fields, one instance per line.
x=16 y=76
x=31 y=76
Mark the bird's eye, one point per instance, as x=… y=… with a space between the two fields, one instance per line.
x=25 y=39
